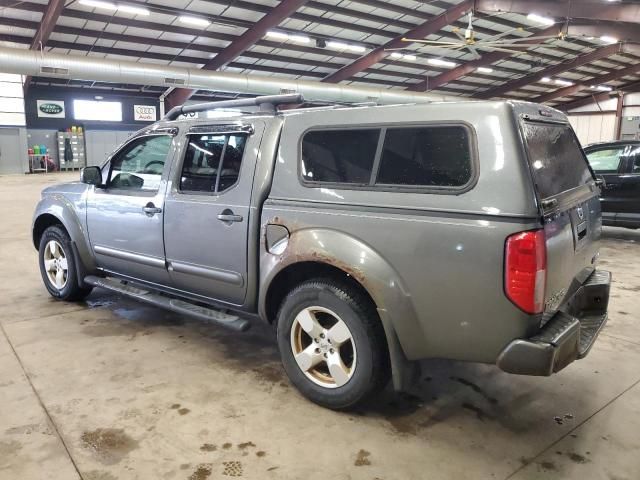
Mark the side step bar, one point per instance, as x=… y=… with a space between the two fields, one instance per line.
x=179 y=306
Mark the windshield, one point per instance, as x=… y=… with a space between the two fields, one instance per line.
x=556 y=158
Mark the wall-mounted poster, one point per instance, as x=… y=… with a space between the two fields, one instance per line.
x=51 y=108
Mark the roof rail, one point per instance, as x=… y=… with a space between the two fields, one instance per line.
x=266 y=103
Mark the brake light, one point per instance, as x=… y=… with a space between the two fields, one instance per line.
x=525 y=270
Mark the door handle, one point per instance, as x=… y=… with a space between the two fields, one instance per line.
x=228 y=216
x=150 y=209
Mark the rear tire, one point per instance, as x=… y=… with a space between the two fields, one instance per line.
x=332 y=344
x=58 y=266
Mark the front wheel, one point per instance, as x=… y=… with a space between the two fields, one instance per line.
x=332 y=343
x=58 y=267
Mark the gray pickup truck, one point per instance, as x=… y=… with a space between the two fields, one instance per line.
x=370 y=237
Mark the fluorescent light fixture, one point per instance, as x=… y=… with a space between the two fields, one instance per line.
x=534 y=17
x=99 y=4
x=200 y=22
x=441 y=63
x=133 y=10
x=602 y=88
x=398 y=56
x=545 y=79
x=337 y=45
x=356 y=48
x=564 y=83
x=608 y=39
x=484 y=70
x=277 y=35
x=345 y=46
x=299 y=38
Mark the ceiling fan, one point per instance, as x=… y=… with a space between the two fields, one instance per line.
x=496 y=42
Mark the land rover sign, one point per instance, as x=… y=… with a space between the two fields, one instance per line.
x=51 y=108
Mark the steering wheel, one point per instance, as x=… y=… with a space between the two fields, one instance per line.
x=154 y=162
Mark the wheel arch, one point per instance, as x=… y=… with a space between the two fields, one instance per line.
x=312 y=253
x=57 y=210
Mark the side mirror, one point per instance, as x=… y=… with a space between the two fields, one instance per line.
x=91 y=176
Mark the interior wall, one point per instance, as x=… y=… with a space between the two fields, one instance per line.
x=594 y=128
x=102 y=143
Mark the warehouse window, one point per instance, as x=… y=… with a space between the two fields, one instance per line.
x=212 y=162
x=412 y=157
x=97 y=110
x=339 y=156
x=425 y=156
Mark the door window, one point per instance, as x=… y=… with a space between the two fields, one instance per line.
x=605 y=161
x=140 y=164
x=212 y=162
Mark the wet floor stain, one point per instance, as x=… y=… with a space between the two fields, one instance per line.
x=202 y=472
x=208 y=447
x=480 y=413
x=98 y=475
x=110 y=445
x=548 y=466
x=362 y=458
x=475 y=388
x=232 y=468
x=8 y=449
x=577 y=458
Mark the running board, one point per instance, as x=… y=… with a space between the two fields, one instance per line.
x=179 y=306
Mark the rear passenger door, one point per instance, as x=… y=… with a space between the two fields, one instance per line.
x=207 y=212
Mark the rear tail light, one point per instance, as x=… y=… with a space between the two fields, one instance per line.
x=525 y=270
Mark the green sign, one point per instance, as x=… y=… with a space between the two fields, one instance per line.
x=51 y=108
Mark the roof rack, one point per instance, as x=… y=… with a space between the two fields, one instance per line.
x=267 y=103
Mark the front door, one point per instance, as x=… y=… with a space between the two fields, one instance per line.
x=608 y=165
x=629 y=191
x=125 y=216
x=207 y=212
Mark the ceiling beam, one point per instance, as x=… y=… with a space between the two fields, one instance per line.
x=587 y=9
x=624 y=32
x=430 y=83
x=597 y=98
x=238 y=46
x=45 y=28
x=141 y=24
x=558 y=69
x=601 y=80
x=429 y=27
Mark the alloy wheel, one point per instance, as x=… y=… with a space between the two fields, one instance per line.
x=323 y=347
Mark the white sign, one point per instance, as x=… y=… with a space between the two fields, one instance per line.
x=51 y=108
x=144 y=113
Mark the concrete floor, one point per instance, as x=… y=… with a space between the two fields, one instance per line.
x=109 y=389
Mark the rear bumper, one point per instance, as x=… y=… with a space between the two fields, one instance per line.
x=567 y=336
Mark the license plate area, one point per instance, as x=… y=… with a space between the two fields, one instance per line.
x=580 y=226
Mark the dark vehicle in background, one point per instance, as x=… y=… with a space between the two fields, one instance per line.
x=618 y=165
